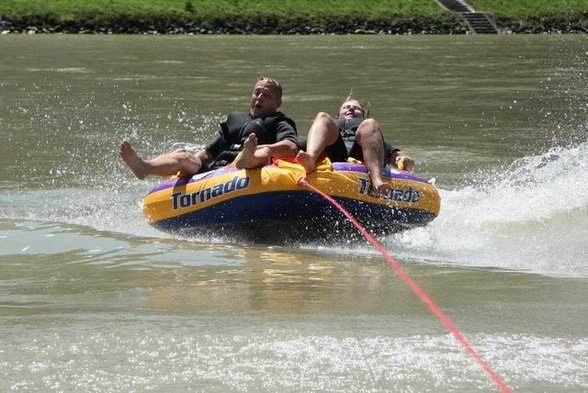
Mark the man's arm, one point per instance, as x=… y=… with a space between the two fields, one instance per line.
x=401 y=161
x=205 y=156
x=284 y=148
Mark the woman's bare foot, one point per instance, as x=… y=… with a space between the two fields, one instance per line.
x=247 y=154
x=307 y=162
x=135 y=163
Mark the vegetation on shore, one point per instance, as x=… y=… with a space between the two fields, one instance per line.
x=528 y=9
x=537 y=16
x=112 y=9
x=278 y=17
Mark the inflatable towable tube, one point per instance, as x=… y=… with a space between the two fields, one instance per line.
x=231 y=201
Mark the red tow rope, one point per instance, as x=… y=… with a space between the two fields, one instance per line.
x=500 y=384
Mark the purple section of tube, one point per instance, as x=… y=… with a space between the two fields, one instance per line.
x=337 y=166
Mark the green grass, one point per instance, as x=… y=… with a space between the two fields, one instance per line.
x=254 y=13
x=531 y=8
x=65 y=10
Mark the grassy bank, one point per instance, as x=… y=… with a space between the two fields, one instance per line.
x=64 y=10
x=270 y=16
x=226 y=16
x=530 y=9
x=537 y=16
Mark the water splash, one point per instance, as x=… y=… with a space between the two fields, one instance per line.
x=530 y=217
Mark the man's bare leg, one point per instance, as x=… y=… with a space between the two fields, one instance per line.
x=369 y=137
x=165 y=165
x=322 y=133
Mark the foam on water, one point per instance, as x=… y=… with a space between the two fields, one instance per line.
x=530 y=215
x=276 y=359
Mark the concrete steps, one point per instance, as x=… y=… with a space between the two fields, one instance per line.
x=455 y=6
x=479 y=22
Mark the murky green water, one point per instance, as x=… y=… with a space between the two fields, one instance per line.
x=93 y=299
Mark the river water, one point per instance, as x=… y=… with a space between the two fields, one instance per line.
x=94 y=299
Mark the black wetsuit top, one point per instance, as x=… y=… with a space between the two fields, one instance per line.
x=228 y=141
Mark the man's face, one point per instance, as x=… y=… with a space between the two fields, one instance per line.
x=351 y=109
x=264 y=99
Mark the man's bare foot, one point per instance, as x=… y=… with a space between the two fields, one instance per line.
x=307 y=162
x=135 y=163
x=381 y=188
x=249 y=146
